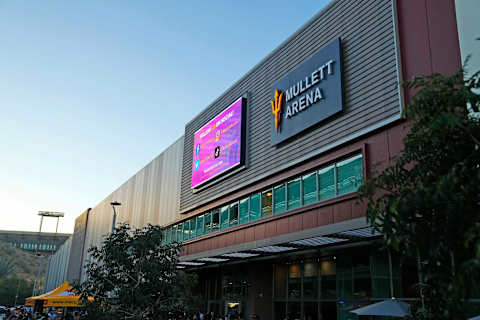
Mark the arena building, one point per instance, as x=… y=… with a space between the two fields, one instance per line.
x=40 y=242
x=261 y=189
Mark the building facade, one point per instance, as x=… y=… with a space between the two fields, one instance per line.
x=261 y=189
x=46 y=243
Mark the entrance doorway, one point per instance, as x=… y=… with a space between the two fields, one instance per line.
x=233 y=308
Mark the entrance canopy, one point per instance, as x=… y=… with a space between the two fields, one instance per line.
x=341 y=233
x=387 y=308
x=63 y=296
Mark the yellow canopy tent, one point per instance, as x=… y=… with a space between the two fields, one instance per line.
x=58 y=297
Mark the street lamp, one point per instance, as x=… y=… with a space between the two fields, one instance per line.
x=114 y=204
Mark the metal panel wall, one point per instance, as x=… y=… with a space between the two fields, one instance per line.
x=57 y=266
x=371 y=93
x=150 y=196
x=78 y=242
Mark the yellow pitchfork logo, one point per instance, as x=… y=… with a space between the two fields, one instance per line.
x=277 y=108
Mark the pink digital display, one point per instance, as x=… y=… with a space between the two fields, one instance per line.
x=218 y=145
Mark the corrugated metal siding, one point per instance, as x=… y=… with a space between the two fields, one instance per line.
x=57 y=266
x=370 y=89
x=77 y=246
x=150 y=196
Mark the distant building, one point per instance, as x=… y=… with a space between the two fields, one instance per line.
x=42 y=242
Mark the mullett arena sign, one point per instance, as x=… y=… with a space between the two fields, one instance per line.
x=307 y=95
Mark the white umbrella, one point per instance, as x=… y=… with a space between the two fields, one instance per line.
x=387 y=308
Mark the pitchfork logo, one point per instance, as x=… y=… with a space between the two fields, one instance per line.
x=277 y=108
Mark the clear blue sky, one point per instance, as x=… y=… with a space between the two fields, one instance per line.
x=91 y=91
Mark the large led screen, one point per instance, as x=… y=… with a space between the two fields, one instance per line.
x=219 y=145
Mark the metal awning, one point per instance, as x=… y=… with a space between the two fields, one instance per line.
x=321 y=237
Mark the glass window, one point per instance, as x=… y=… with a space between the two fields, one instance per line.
x=266 y=203
x=192 y=228
x=200 y=225
x=310 y=280
x=293 y=194
x=215 y=220
x=243 y=211
x=279 y=199
x=180 y=232
x=328 y=280
x=310 y=311
x=174 y=234
x=326 y=183
x=164 y=236
x=309 y=188
x=350 y=175
x=186 y=230
x=208 y=222
x=224 y=217
x=294 y=281
x=234 y=214
x=362 y=283
x=255 y=207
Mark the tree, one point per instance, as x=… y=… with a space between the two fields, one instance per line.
x=133 y=275
x=427 y=202
x=11 y=287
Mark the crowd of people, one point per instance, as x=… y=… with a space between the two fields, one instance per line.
x=27 y=313
x=214 y=316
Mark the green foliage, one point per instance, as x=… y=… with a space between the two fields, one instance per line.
x=427 y=203
x=9 y=288
x=133 y=275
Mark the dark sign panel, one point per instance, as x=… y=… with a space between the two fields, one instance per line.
x=307 y=95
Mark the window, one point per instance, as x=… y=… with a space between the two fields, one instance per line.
x=186 y=230
x=343 y=177
x=328 y=279
x=279 y=199
x=224 y=217
x=266 y=203
x=310 y=280
x=255 y=207
x=208 y=222
x=234 y=214
x=180 y=232
x=215 y=220
x=200 y=225
x=349 y=175
x=173 y=234
x=309 y=182
x=243 y=211
x=293 y=194
x=294 y=281
x=193 y=228
x=166 y=235
x=326 y=183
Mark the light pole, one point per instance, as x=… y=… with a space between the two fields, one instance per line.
x=43 y=214
x=114 y=220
